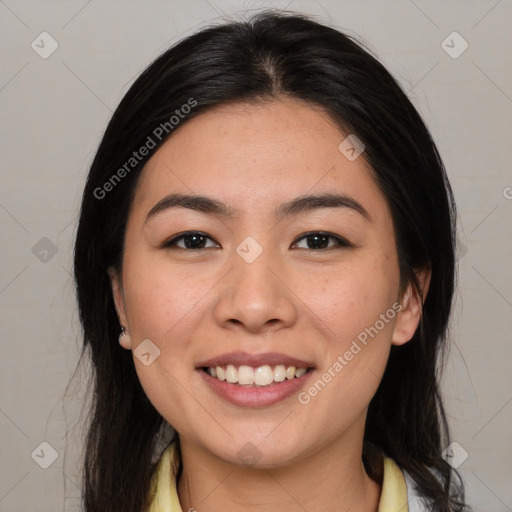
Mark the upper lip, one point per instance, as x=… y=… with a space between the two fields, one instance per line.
x=245 y=359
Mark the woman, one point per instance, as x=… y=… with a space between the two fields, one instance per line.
x=268 y=230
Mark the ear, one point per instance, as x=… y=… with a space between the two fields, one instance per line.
x=409 y=315
x=118 y=296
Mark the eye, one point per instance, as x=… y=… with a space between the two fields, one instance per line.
x=320 y=241
x=192 y=239
x=197 y=240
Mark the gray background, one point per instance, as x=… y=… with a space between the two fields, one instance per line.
x=54 y=111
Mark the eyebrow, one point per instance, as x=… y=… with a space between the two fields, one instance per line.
x=302 y=204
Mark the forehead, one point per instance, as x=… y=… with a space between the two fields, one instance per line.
x=254 y=155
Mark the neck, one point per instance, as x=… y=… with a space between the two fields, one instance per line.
x=332 y=478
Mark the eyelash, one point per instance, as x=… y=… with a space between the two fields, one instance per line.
x=341 y=242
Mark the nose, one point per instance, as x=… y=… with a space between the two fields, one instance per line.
x=255 y=296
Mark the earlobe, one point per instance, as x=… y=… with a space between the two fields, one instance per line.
x=124 y=339
x=409 y=316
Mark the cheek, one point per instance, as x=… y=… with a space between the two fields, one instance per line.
x=357 y=307
x=162 y=306
x=352 y=300
x=162 y=300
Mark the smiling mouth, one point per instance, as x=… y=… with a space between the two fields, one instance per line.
x=261 y=376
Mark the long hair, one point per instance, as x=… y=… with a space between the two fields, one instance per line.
x=271 y=55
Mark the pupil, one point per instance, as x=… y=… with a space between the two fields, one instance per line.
x=189 y=244
x=316 y=237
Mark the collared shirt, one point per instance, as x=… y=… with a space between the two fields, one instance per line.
x=394 y=494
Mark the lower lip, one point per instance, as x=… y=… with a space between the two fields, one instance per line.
x=253 y=396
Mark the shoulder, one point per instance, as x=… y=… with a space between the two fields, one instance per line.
x=415 y=501
x=397 y=481
x=399 y=490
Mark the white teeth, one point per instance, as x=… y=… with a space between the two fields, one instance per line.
x=299 y=372
x=245 y=375
x=261 y=376
x=280 y=373
x=221 y=374
x=231 y=374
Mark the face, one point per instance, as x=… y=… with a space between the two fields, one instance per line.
x=263 y=289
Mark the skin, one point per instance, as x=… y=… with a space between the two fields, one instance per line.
x=195 y=304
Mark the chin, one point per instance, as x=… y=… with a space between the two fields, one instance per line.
x=259 y=453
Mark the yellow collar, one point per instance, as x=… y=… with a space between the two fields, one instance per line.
x=165 y=496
